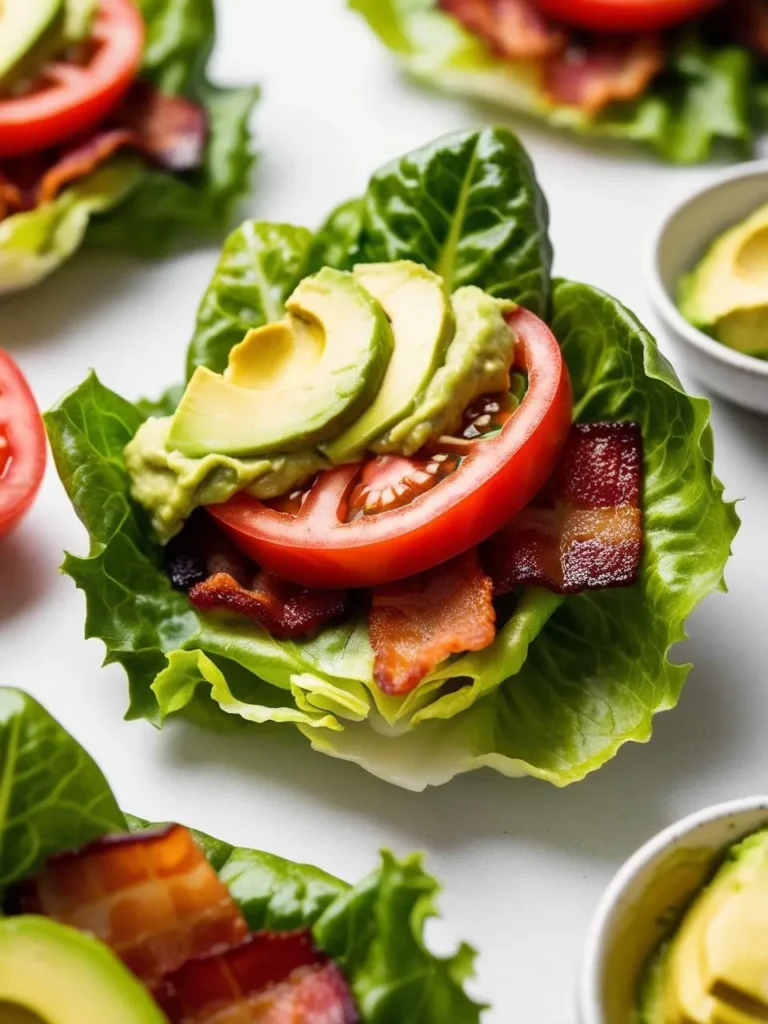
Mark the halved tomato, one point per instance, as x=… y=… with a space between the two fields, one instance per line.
x=70 y=97
x=22 y=445
x=624 y=15
x=390 y=517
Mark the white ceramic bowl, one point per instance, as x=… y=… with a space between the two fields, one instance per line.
x=647 y=897
x=677 y=245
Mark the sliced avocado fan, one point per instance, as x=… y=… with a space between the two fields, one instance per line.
x=292 y=384
x=422 y=322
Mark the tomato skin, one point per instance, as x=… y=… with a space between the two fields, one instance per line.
x=624 y=15
x=78 y=97
x=23 y=436
x=496 y=480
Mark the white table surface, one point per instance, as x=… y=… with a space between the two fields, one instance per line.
x=522 y=863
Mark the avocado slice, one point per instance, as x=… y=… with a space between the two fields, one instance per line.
x=422 y=324
x=745 y=330
x=714 y=970
x=56 y=974
x=22 y=24
x=727 y=293
x=293 y=384
x=476 y=363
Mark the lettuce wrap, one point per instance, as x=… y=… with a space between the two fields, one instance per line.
x=55 y=798
x=567 y=680
x=707 y=100
x=126 y=204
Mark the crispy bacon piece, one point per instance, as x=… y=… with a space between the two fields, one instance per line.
x=746 y=21
x=11 y=197
x=152 y=897
x=512 y=28
x=417 y=622
x=584 y=531
x=268 y=979
x=80 y=160
x=603 y=71
x=170 y=129
x=217 y=576
x=284 y=609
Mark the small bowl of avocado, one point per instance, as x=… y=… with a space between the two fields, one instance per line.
x=708 y=279
x=681 y=934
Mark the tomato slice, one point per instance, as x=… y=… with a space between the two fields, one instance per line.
x=624 y=15
x=22 y=445
x=352 y=528
x=69 y=98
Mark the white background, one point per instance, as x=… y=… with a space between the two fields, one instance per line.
x=522 y=863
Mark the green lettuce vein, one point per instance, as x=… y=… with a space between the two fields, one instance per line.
x=567 y=681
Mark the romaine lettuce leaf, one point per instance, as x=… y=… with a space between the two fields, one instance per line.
x=52 y=795
x=54 y=798
x=698 y=105
x=180 y=36
x=127 y=205
x=566 y=682
x=35 y=243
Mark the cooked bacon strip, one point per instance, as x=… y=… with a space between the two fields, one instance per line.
x=82 y=159
x=603 y=71
x=417 y=622
x=152 y=897
x=170 y=129
x=268 y=979
x=512 y=28
x=217 y=576
x=11 y=197
x=746 y=21
x=584 y=531
x=284 y=609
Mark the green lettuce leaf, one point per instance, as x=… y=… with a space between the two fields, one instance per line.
x=127 y=205
x=52 y=795
x=699 y=105
x=259 y=267
x=35 y=243
x=53 y=798
x=566 y=681
x=180 y=36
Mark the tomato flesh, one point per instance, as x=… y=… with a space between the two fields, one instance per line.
x=70 y=98
x=624 y=15
x=22 y=445
x=326 y=544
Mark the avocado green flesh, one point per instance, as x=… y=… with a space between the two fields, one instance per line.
x=714 y=968
x=170 y=485
x=726 y=294
x=56 y=974
x=23 y=23
x=745 y=330
x=352 y=346
x=422 y=322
